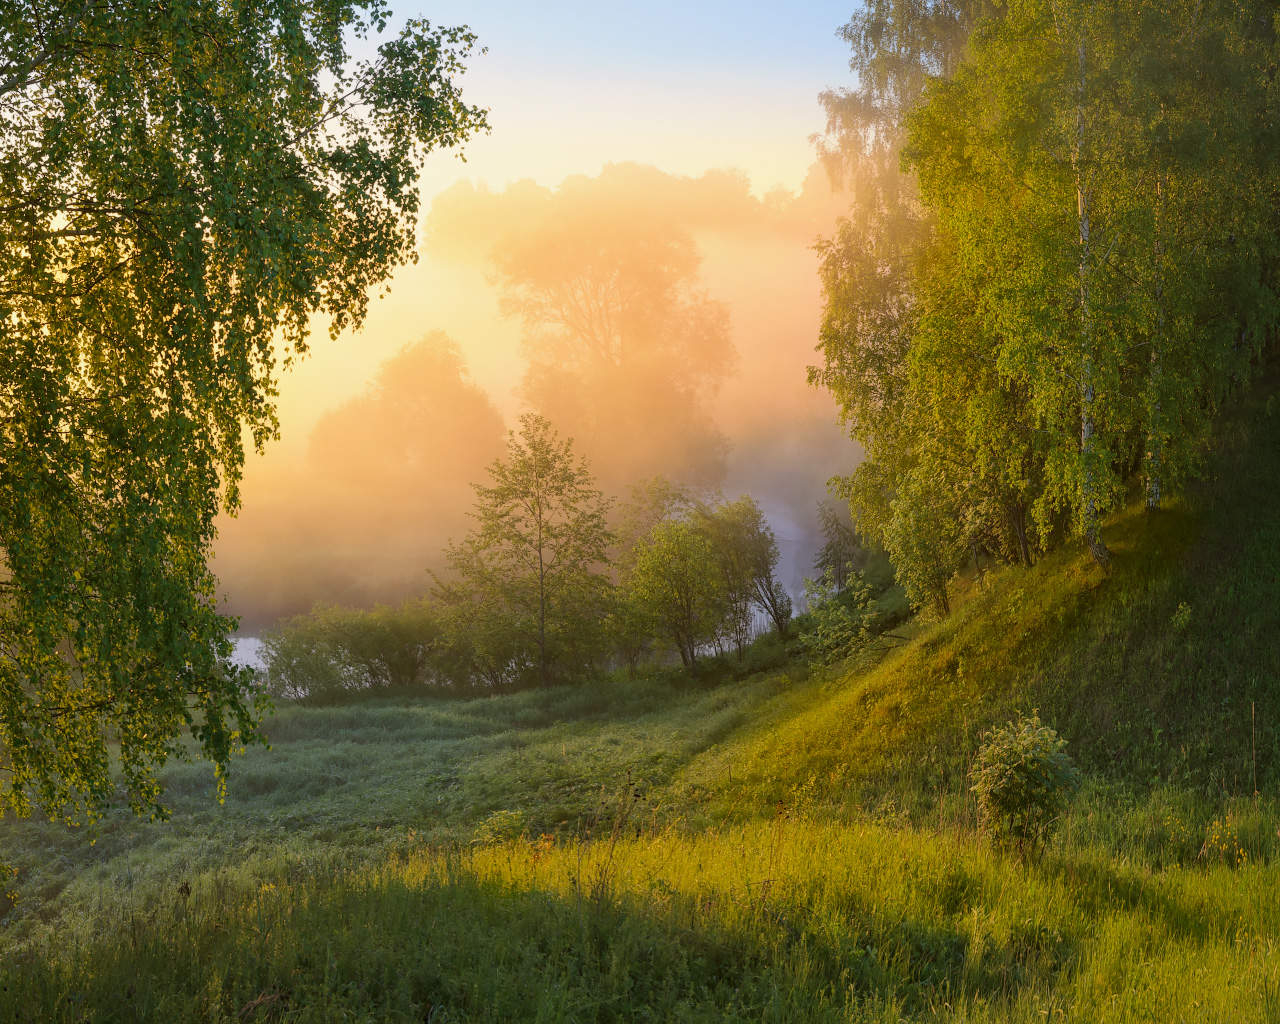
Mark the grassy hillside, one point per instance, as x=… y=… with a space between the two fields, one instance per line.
x=787 y=847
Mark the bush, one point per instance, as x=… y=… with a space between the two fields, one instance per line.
x=838 y=622
x=334 y=654
x=1023 y=779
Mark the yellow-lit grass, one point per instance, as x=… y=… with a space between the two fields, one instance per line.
x=789 y=920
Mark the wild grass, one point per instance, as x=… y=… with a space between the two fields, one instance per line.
x=786 y=920
x=781 y=846
x=351 y=782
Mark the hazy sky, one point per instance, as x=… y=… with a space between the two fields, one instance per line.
x=688 y=86
x=573 y=87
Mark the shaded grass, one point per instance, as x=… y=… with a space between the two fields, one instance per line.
x=786 y=846
x=777 y=921
x=355 y=781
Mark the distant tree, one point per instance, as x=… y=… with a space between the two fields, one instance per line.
x=377 y=492
x=842 y=552
x=483 y=646
x=185 y=188
x=728 y=530
x=632 y=631
x=747 y=554
x=651 y=502
x=532 y=574
x=624 y=347
x=677 y=584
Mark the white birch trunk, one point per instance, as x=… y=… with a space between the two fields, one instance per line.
x=1088 y=396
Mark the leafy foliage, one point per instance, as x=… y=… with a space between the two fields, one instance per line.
x=675 y=585
x=183 y=188
x=333 y=653
x=837 y=620
x=1023 y=779
x=529 y=584
x=1066 y=278
x=700 y=574
x=843 y=551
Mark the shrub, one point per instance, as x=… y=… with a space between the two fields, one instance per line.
x=499 y=827
x=838 y=622
x=334 y=654
x=1023 y=779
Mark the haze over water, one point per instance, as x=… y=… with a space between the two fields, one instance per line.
x=626 y=107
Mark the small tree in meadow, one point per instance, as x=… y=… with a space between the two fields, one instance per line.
x=1023 y=778
x=677 y=587
x=532 y=573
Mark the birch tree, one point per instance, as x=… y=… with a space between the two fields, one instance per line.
x=184 y=188
x=533 y=571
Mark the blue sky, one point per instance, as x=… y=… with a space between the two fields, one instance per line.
x=573 y=85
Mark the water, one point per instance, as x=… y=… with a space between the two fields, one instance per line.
x=248 y=651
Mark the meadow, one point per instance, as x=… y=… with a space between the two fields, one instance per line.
x=796 y=844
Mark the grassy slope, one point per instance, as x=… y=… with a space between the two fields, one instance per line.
x=342 y=784
x=1163 y=673
x=793 y=849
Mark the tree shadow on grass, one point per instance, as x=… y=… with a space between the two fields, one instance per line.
x=465 y=949
x=1098 y=889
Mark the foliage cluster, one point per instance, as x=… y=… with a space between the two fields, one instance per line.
x=184 y=190
x=1059 y=267
x=837 y=621
x=1023 y=779
x=334 y=653
x=700 y=575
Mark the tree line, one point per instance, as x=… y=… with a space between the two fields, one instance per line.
x=1059 y=267
x=554 y=580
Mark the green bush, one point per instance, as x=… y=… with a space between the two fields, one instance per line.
x=334 y=654
x=1023 y=779
x=838 y=622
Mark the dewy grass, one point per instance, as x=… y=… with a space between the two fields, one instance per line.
x=794 y=846
x=784 y=920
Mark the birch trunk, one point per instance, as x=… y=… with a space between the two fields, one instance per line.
x=1155 y=438
x=1088 y=394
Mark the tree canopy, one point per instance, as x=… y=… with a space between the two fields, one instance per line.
x=530 y=576
x=1067 y=276
x=184 y=187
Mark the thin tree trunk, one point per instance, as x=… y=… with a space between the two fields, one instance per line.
x=1018 y=520
x=1088 y=397
x=1155 y=440
x=542 y=604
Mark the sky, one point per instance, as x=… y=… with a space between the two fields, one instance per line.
x=689 y=86
x=571 y=89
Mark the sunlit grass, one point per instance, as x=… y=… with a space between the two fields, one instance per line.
x=789 y=846
x=787 y=920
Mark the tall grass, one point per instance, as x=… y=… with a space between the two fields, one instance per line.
x=788 y=920
x=788 y=846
